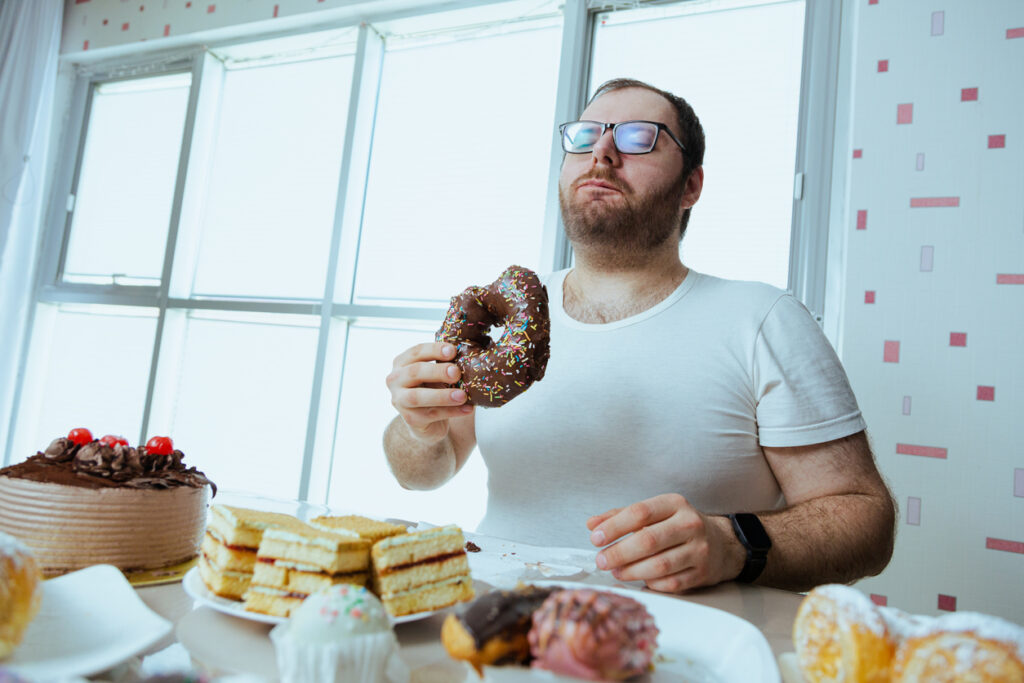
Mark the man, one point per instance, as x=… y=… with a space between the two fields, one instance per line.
x=672 y=399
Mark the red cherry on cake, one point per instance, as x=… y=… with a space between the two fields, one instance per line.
x=113 y=440
x=160 y=445
x=80 y=436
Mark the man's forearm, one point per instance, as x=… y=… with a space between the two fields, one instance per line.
x=417 y=465
x=834 y=539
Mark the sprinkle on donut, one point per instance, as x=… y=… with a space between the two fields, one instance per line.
x=493 y=373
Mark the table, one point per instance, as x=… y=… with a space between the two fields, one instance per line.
x=221 y=644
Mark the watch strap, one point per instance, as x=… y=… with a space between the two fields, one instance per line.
x=757 y=558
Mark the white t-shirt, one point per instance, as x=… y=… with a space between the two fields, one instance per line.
x=679 y=398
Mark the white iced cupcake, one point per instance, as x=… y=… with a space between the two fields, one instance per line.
x=340 y=633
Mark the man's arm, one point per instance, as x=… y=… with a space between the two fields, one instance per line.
x=839 y=526
x=424 y=466
x=434 y=433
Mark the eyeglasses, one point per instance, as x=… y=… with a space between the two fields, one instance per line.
x=630 y=137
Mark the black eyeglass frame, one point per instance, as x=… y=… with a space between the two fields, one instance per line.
x=659 y=126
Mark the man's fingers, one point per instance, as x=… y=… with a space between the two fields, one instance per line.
x=632 y=518
x=423 y=374
x=679 y=582
x=597 y=519
x=429 y=351
x=430 y=398
x=673 y=570
x=640 y=546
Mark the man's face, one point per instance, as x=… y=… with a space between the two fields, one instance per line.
x=624 y=205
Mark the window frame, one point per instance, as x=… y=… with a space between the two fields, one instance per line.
x=811 y=259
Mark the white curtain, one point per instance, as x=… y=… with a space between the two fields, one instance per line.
x=29 y=48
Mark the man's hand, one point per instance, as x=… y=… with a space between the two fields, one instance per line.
x=421 y=393
x=672 y=547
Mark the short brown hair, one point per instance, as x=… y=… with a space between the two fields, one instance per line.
x=691 y=132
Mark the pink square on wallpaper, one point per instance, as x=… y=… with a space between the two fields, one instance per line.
x=862 y=220
x=1014 y=33
x=905 y=113
x=969 y=95
x=167 y=29
x=1018 y=483
x=85 y=45
x=1009 y=279
x=872 y=2
x=996 y=141
x=276 y=8
x=124 y=26
x=106 y=21
x=869 y=297
x=986 y=393
x=947 y=603
x=958 y=339
x=883 y=65
x=879 y=600
x=891 y=352
x=858 y=153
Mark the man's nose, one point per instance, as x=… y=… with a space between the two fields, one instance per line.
x=605 y=151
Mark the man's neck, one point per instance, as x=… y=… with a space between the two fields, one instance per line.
x=594 y=293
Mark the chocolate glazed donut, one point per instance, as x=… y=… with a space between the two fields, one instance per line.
x=493 y=373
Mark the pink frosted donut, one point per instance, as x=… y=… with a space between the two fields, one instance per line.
x=495 y=372
x=593 y=634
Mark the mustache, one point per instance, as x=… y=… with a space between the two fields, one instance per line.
x=604 y=175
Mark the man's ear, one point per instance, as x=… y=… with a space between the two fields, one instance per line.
x=693 y=187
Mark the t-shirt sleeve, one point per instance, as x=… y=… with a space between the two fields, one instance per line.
x=803 y=394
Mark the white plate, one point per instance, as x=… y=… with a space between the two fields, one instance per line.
x=696 y=643
x=197 y=590
x=89 y=621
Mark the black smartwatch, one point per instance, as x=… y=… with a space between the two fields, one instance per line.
x=754 y=538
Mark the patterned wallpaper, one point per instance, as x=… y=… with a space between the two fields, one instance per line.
x=92 y=24
x=934 y=301
x=934 y=309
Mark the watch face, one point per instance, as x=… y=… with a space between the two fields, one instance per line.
x=753 y=531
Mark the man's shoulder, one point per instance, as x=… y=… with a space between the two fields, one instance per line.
x=751 y=294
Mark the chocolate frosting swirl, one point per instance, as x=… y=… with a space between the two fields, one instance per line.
x=97 y=465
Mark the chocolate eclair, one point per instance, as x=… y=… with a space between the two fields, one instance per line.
x=492 y=629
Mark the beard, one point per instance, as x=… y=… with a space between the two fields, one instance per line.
x=625 y=232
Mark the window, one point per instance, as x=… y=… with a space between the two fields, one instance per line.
x=323 y=194
x=126 y=184
x=273 y=180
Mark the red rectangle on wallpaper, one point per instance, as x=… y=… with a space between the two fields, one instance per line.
x=925 y=202
x=1003 y=544
x=924 y=451
x=891 y=352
